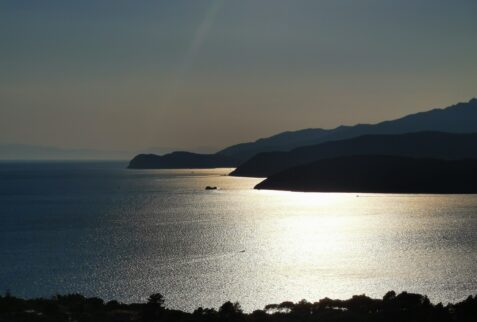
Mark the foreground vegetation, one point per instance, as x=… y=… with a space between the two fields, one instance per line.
x=392 y=307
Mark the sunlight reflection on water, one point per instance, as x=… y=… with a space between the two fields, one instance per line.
x=132 y=233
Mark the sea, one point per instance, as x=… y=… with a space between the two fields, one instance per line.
x=99 y=229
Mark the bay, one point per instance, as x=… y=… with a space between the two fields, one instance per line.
x=99 y=229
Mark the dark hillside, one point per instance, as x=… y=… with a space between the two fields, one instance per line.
x=378 y=174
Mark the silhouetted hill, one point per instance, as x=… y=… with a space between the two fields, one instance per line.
x=378 y=174
x=459 y=118
x=422 y=144
x=180 y=160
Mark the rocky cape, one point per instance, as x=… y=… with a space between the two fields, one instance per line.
x=378 y=174
x=181 y=160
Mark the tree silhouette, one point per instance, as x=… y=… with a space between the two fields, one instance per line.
x=229 y=310
x=156 y=299
x=154 y=307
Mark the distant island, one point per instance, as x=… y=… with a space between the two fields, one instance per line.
x=403 y=307
x=421 y=144
x=16 y=152
x=459 y=118
x=378 y=174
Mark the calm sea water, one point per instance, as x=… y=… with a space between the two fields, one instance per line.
x=102 y=230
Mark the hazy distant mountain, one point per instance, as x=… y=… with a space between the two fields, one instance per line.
x=421 y=144
x=378 y=174
x=178 y=160
x=459 y=118
x=36 y=152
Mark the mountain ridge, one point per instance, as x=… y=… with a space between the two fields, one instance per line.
x=418 y=144
x=457 y=118
x=319 y=135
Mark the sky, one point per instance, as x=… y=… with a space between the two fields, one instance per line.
x=205 y=74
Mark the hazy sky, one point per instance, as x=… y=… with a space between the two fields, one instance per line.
x=134 y=74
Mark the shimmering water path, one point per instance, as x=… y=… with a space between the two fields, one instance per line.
x=102 y=230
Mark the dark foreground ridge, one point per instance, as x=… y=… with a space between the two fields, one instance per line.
x=437 y=145
x=378 y=174
x=392 y=307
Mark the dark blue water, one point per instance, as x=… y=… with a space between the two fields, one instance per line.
x=53 y=217
x=102 y=230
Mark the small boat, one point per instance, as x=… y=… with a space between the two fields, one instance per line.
x=211 y=188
